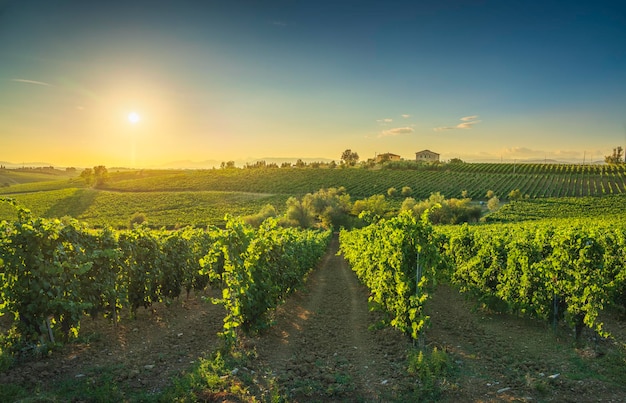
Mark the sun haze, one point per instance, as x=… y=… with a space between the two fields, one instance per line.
x=134 y=117
x=219 y=81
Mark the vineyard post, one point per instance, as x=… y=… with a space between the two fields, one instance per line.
x=555 y=308
x=418 y=278
x=418 y=275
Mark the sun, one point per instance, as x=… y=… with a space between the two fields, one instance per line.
x=134 y=117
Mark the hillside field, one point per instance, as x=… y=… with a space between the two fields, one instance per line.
x=172 y=198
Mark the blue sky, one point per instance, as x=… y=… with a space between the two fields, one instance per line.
x=480 y=80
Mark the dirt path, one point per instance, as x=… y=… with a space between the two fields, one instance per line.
x=142 y=354
x=502 y=357
x=321 y=348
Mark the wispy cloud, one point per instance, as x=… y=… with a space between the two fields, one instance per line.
x=467 y=123
x=385 y=120
x=406 y=116
x=395 y=132
x=468 y=118
x=22 y=80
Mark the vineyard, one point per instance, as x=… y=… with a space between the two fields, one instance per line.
x=554 y=260
x=534 y=180
x=550 y=271
x=572 y=208
x=198 y=198
x=55 y=272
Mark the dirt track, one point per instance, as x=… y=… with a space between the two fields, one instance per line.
x=321 y=347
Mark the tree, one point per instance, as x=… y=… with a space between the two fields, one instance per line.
x=515 y=194
x=137 y=219
x=329 y=206
x=408 y=204
x=101 y=174
x=376 y=205
x=87 y=175
x=300 y=164
x=616 y=157
x=349 y=157
x=493 y=203
x=490 y=194
x=456 y=161
x=391 y=192
x=298 y=214
x=406 y=191
x=256 y=220
x=465 y=194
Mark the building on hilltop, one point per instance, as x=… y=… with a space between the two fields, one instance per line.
x=387 y=157
x=426 y=156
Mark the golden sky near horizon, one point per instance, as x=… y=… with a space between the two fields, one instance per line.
x=227 y=82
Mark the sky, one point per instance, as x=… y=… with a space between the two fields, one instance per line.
x=147 y=83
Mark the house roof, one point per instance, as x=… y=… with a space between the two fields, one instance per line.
x=427 y=151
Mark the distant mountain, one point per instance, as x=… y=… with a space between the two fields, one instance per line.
x=12 y=165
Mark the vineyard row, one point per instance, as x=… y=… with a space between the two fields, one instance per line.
x=550 y=271
x=54 y=272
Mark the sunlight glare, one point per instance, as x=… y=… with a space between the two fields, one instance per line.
x=133 y=117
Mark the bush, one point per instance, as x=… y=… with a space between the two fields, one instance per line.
x=493 y=203
x=137 y=219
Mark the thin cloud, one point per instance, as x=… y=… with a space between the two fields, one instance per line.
x=386 y=120
x=468 y=118
x=21 y=80
x=395 y=132
x=406 y=116
x=467 y=123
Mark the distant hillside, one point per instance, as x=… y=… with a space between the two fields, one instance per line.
x=533 y=180
x=12 y=177
x=201 y=197
x=13 y=165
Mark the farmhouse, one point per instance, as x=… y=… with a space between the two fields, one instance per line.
x=387 y=157
x=426 y=156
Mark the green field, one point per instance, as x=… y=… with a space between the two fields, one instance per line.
x=534 y=180
x=561 y=208
x=161 y=209
x=170 y=198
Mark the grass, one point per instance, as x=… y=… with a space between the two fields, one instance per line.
x=161 y=209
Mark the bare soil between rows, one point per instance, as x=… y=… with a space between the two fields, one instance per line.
x=325 y=346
